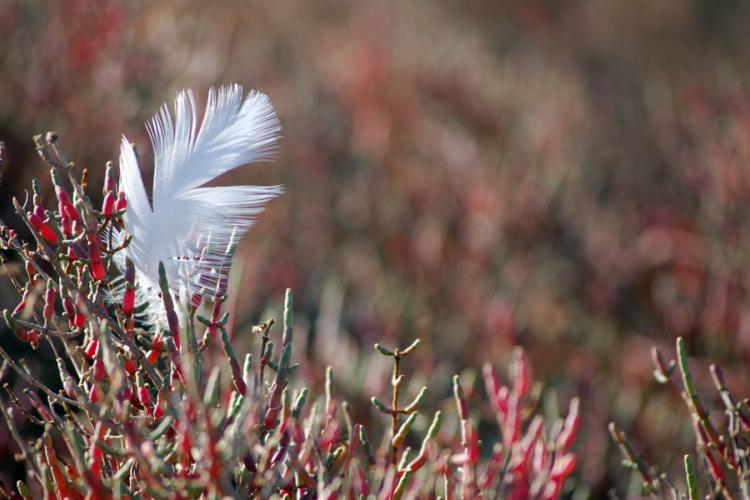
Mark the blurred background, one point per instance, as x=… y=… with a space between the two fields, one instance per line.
x=572 y=177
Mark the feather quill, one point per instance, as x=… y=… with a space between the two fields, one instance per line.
x=186 y=226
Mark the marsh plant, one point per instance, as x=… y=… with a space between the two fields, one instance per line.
x=159 y=405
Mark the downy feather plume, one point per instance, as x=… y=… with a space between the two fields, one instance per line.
x=186 y=226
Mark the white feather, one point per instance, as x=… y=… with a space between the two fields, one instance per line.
x=186 y=226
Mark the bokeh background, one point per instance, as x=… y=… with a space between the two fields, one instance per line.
x=572 y=177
